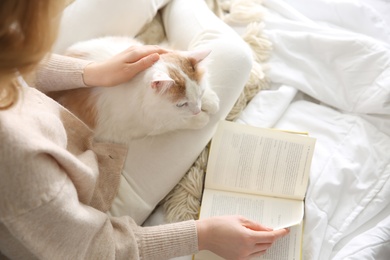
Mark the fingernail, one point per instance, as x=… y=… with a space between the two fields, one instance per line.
x=155 y=57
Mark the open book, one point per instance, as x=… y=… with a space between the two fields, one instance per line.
x=261 y=174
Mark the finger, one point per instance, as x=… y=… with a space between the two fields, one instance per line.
x=281 y=232
x=144 y=63
x=253 y=225
x=260 y=253
x=151 y=59
x=261 y=247
x=141 y=52
x=159 y=49
x=270 y=236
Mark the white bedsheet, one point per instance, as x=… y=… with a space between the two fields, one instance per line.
x=330 y=73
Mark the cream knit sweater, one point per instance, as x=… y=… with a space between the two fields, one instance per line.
x=56 y=184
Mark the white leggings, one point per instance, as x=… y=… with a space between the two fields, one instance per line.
x=155 y=165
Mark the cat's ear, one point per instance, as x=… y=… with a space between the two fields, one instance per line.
x=161 y=81
x=199 y=55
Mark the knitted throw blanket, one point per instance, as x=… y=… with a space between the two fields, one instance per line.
x=183 y=202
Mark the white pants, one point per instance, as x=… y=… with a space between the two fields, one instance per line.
x=155 y=165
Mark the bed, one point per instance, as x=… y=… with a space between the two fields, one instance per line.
x=327 y=72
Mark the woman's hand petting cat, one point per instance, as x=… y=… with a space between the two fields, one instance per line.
x=121 y=67
x=235 y=237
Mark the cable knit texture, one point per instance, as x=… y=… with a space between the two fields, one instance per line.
x=71 y=70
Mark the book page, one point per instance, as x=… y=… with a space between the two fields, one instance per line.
x=260 y=161
x=272 y=212
x=288 y=247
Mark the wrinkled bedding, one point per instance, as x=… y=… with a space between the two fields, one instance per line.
x=330 y=74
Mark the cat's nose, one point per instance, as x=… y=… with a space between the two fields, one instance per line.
x=196 y=111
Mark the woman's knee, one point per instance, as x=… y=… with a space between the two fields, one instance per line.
x=229 y=68
x=230 y=61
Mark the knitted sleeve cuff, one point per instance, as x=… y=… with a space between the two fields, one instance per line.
x=59 y=72
x=168 y=241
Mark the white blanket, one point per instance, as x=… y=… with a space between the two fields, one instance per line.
x=330 y=73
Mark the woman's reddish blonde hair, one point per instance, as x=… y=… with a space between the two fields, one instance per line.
x=28 y=29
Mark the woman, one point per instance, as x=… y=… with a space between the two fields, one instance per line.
x=57 y=184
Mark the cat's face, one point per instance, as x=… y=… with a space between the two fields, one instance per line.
x=180 y=77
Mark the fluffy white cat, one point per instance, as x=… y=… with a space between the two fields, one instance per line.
x=172 y=94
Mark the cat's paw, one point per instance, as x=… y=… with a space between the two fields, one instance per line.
x=210 y=102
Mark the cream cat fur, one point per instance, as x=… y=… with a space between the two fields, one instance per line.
x=172 y=94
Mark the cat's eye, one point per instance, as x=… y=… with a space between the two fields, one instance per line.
x=182 y=104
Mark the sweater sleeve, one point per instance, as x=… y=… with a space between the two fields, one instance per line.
x=57 y=226
x=58 y=72
x=153 y=242
x=64 y=229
